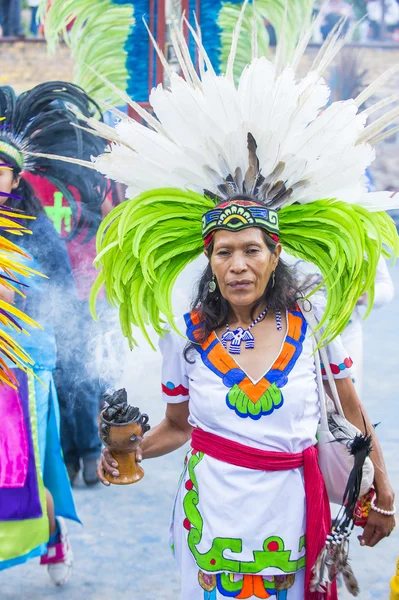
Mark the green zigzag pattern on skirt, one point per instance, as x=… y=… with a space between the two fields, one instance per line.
x=273 y=553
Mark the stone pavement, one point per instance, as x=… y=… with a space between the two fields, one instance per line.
x=122 y=550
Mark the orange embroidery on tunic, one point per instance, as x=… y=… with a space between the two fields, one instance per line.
x=265 y=395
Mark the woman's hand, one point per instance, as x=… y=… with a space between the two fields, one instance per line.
x=172 y=433
x=108 y=464
x=378 y=526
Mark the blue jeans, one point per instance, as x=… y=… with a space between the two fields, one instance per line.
x=79 y=391
x=11 y=16
x=79 y=407
x=34 y=27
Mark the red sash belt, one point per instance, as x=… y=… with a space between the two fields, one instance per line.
x=318 y=516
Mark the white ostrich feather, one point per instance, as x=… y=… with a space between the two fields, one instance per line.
x=306 y=36
x=381 y=104
x=234 y=43
x=199 y=133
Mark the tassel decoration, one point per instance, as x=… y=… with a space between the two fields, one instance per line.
x=333 y=559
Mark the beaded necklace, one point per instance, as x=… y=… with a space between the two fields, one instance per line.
x=239 y=335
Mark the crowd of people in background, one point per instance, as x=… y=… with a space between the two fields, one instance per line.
x=19 y=19
x=380 y=19
x=12 y=21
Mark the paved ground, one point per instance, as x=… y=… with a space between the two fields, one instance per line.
x=122 y=550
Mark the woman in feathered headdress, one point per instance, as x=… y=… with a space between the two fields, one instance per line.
x=34 y=487
x=240 y=172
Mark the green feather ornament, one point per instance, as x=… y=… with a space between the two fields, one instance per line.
x=345 y=242
x=143 y=246
x=96 y=37
x=287 y=27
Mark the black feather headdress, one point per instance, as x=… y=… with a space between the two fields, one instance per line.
x=46 y=120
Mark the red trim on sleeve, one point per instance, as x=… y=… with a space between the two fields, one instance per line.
x=348 y=362
x=180 y=390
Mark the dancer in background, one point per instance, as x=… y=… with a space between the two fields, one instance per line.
x=79 y=396
x=76 y=211
x=384 y=292
x=35 y=123
x=352 y=336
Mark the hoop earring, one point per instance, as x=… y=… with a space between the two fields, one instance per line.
x=212 y=285
x=273 y=279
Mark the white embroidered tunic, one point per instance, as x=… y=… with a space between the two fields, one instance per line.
x=230 y=519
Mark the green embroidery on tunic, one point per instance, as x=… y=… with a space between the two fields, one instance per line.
x=273 y=553
x=238 y=400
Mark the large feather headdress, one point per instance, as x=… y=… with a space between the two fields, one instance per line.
x=207 y=134
x=43 y=120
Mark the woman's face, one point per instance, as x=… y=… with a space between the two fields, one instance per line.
x=7 y=182
x=242 y=264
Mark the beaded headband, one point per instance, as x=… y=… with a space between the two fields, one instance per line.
x=12 y=152
x=237 y=215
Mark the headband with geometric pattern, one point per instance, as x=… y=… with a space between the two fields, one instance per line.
x=237 y=215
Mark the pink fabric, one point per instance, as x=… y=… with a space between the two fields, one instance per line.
x=14 y=450
x=56 y=553
x=81 y=253
x=318 y=516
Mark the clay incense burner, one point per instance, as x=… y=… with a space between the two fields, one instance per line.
x=121 y=430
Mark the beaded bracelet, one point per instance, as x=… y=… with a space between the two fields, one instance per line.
x=386 y=513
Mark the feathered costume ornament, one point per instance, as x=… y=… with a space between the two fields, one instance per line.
x=98 y=37
x=295 y=13
x=260 y=153
x=108 y=39
x=334 y=558
x=44 y=120
x=11 y=317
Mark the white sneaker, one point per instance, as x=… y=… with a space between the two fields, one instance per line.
x=59 y=557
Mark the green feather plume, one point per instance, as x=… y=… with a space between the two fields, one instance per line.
x=96 y=38
x=273 y=10
x=345 y=241
x=142 y=247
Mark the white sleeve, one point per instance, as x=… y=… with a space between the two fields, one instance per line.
x=175 y=387
x=384 y=289
x=339 y=359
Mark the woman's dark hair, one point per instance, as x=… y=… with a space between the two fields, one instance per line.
x=214 y=309
x=27 y=200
